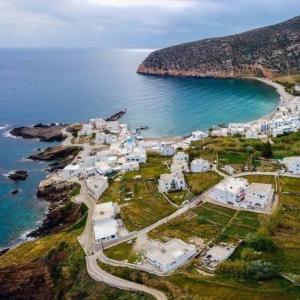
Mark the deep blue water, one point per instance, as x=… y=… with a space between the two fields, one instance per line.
x=71 y=85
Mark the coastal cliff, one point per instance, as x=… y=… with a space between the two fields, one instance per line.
x=263 y=52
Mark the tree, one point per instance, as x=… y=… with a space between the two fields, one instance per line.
x=260 y=242
x=267 y=150
x=261 y=270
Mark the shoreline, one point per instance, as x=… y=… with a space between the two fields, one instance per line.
x=284 y=99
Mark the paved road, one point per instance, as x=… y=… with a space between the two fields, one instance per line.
x=99 y=274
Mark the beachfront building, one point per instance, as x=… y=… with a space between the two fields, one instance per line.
x=251 y=134
x=231 y=191
x=104 y=223
x=198 y=135
x=200 y=165
x=171 y=182
x=130 y=166
x=96 y=186
x=170 y=255
x=70 y=171
x=292 y=164
x=86 y=129
x=220 y=132
x=138 y=154
x=180 y=157
x=99 y=124
x=113 y=127
x=258 y=195
x=167 y=149
x=179 y=167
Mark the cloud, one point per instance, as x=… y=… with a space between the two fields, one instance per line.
x=132 y=23
x=169 y=4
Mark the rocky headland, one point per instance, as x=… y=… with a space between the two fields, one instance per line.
x=43 y=132
x=264 y=52
x=61 y=211
x=58 y=156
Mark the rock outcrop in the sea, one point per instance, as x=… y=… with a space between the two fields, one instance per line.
x=43 y=132
x=61 y=211
x=18 y=175
x=60 y=156
x=263 y=52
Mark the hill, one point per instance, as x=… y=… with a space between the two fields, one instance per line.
x=265 y=52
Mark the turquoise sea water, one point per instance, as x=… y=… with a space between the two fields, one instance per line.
x=71 y=85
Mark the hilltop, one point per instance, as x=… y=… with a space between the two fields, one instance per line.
x=265 y=52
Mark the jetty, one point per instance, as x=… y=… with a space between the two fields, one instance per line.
x=116 y=116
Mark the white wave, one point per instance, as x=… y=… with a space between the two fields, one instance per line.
x=9 y=135
x=2 y=127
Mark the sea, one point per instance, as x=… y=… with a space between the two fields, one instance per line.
x=73 y=85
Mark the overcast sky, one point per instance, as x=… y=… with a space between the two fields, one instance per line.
x=132 y=23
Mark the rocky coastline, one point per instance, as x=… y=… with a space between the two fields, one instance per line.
x=44 y=132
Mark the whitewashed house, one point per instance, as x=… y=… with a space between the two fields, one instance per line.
x=113 y=127
x=103 y=168
x=251 y=134
x=217 y=254
x=70 y=171
x=179 y=167
x=221 y=132
x=99 y=124
x=258 y=195
x=180 y=157
x=96 y=186
x=130 y=166
x=292 y=164
x=89 y=172
x=86 y=129
x=171 y=182
x=104 y=223
x=104 y=138
x=167 y=149
x=138 y=154
x=200 y=165
x=198 y=135
x=229 y=169
x=230 y=191
x=170 y=255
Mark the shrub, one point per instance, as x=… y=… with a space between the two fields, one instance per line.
x=261 y=270
x=260 y=242
x=249 y=254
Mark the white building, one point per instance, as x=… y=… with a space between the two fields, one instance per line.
x=171 y=182
x=113 y=127
x=258 y=195
x=180 y=157
x=104 y=138
x=199 y=135
x=138 y=154
x=70 y=171
x=217 y=254
x=230 y=191
x=221 y=132
x=251 y=134
x=179 y=167
x=292 y=164
x=130 y=166
x=104 y=223
x=96 y=186
x=200 y=165
x=167 y=149
x=170 y=255
x=99 y=124
x=229 y=169
x=89 y=172
x=103 y=168
x=87 y=129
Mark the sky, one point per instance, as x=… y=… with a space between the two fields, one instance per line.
x=132 y=23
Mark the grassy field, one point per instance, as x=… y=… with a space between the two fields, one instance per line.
x=122 y=252
x=209 y=222
x=199 y=182
x=179 y=197
x=69 y=271
x=286 y=145
x=136 y=192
